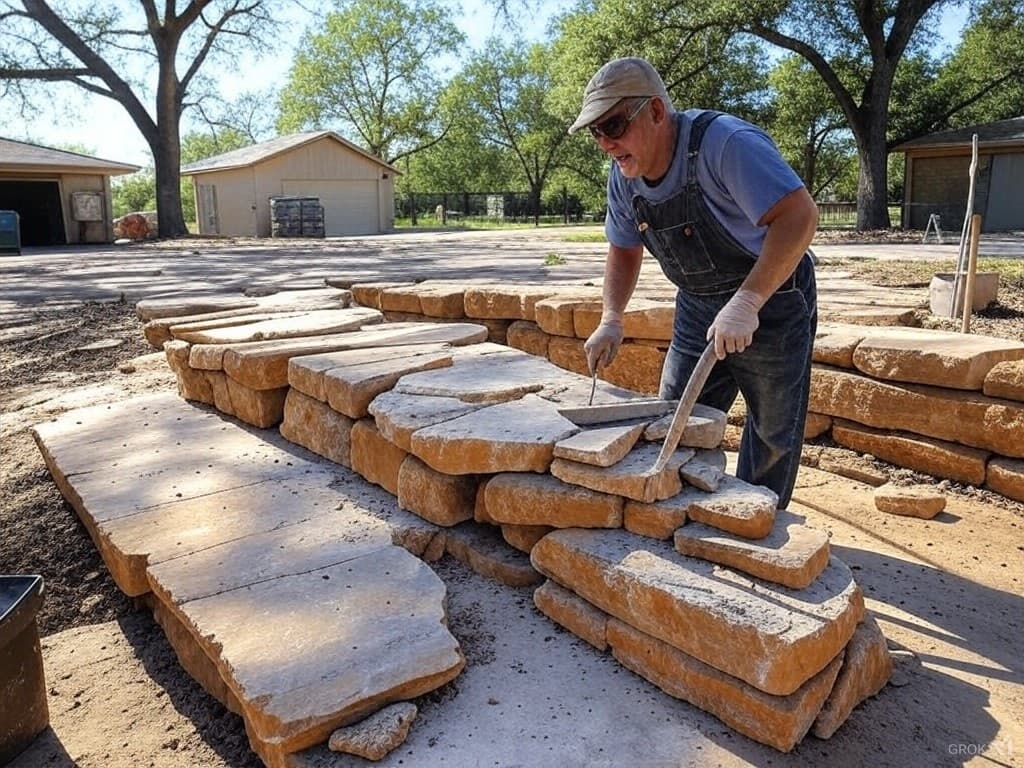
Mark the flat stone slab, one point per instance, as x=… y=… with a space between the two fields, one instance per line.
x=773 y=638
x=939 y=358
x=793 y=554
x=1006 y=379
x=834 y=343
x=705 y=428
x=517 y=436
x=148 y=309
x=350 y=389
x=378 y=735
x=527 y=499
x=399 y=416
x=630 y=477
x=1006 y=476
x=735 y=507
x=483 y=549
x=315 y=425
x=600 y=447
x=313 y=323
x=643 y=319
x=923 y=501
x=705 y=471
x=572 y=612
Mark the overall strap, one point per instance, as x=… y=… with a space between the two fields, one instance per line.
x=697 y=129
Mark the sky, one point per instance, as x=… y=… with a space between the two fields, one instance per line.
x=103 y=128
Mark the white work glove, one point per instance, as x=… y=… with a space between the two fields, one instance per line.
x=603 y=344
x=734 y=325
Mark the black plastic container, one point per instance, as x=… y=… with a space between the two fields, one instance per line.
x=23 y=710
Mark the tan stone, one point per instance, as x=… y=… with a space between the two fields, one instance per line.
x=149 y=309
x=522 y=498
x=259 y=407
x=572 y=612
x=318 y=427
x=939 y=358
x=483 y=549
x=778 y=721
x=834 y=343
x=1006 y=477
x=186 y=328
x=375 y=457
x=1006 y=379
x=378 y=735
x=192 y=384
x=444 y=500
x=847 y=463
x=705 y=428
x=602 y=446
x=314 y=323
x=736 y=507
x=921 y=501
x=643 y=319
x=636 y=366
x=404 y=299
x=769 y=636
x=306 y=373
x=528 y=337
x=350 y=389
x=816 y=425
x=925 y=454
x=793 y=554
x=705 y=471
x=399 y=416
x=516 y=302
x=555 y=315
x=523 y=537
x=446 y=301
x=368 y=294
x=519 y=436
x=867 y=667
x=218 y=381
x=963 y=417
x=480 y=513
x=630 y=477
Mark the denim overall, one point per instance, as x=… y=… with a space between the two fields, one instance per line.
x=707 y=264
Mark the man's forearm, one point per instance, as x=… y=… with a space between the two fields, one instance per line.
x=621 y=271
x=791 y=226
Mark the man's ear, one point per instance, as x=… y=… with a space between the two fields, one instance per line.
x=658 y=111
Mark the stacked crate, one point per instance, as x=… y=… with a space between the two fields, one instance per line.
x=294 y=216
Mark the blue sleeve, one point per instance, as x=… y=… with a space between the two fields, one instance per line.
x=754 y=173
x=620 y=223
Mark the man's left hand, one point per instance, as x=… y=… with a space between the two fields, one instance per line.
x=734 y=326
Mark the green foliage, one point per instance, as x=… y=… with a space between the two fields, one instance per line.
x=370 y=72
x=553 y=259
x=134 y=193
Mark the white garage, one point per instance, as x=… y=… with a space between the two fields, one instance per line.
x=233 y=190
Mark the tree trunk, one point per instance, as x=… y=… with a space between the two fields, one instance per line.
x=167 y=148
x=872 y=183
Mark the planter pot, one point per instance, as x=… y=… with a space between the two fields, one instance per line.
x=940 y=291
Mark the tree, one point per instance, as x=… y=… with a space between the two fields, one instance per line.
x=508 y=86
x=199 y=146
x=136 y=192
x=373 y=70
x=105 y=49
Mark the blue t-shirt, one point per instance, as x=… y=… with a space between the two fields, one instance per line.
x=739 y=170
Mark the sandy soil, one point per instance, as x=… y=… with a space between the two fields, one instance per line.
x=947 y=593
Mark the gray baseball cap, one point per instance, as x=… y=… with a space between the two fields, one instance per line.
x=617 y=80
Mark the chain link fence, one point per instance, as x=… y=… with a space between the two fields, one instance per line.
x=447 y=208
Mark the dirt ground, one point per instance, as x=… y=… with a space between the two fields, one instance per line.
x=961 y=574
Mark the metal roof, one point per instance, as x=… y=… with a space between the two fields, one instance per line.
x=1000 y=132
x=22 y=156
x=257 y=153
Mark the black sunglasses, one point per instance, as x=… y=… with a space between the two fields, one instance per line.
x=616 y=125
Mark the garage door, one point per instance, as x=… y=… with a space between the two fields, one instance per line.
x=1005 y=212
x=350 y=207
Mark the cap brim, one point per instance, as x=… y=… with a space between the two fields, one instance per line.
x=592 y=111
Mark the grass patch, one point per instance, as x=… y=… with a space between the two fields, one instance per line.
x=553 y=260
x=919 y=273
x=585 y=237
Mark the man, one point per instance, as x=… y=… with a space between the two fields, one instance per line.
x=730 y=223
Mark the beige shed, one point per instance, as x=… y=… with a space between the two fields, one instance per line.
x=233 y=190
x=61 y=197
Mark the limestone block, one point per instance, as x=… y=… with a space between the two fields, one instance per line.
x=444 y=500
x=149 y=309
x=601 y=446
x=636 y=367
x=1006 y=476
x=523 y=537
x=218 y=382
x=778 y=721
x=518 y=436
x=306 y=373
x=318 y=427
x=528 y=337
x=705 y=471
x=482 y=548
x=793 y=554
x=188 y=328
x=259 y=407
x=568 y=353
x=555 y=315
x=522 y=498
x=867 y=667
x=736 y=507
x=630 y=477
x=1006 y=379
x=480 y=513
x=769 y=636
x=378 y=735
x=404 y=299
x=834 y=343
x=816 y=425
x=192 y=384
x=705 y=428
x=350 y=389
x=446 y=301
x=399 y=416
x=572 y=612
x=313 y=323
x=925 y=454
x=963 y=417
x=643 y=319
x=939 y=358
x=922 y=501
x=375 y=457
x=514 y=302
x=847 y=463
x=368 y=294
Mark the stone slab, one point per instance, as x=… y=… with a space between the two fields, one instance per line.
x=630 y=477
x=600 y=447
x=368 y=293
x=920 y=500
x=834 y=343
x=315 y=323
x=572 y=612
x=444 y=500
x=350 y=389
x=522 y=537
x=515 y=302
x=527 y=499
x=554 y=315
x=1006 y=379
x=148 y=309
x=793 y=554
x=378 y=735
x=1006 y=476
x=636 y=366
x=772 y=638
x=399 y=416
x=705 y=471
x=517 y=436
x=259 y=407
x=643 y=319
x=483 y=549
x=375 y=457
x=608 y=413
x=318 y=427
x=816 y=425
x=705 y=428
x=526 y=336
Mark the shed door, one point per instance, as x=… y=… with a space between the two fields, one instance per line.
x=350 y=207
x=1005 y=193
x=208 y=221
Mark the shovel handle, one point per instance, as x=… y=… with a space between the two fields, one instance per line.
x=686 y=402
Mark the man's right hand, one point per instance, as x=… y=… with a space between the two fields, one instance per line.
x=603 y=344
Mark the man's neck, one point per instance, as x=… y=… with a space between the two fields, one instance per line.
x=668 y=151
